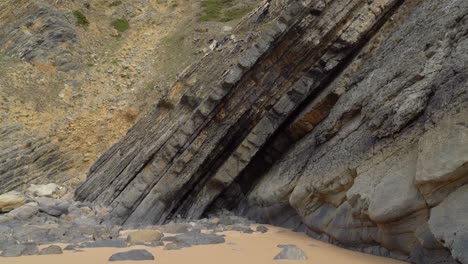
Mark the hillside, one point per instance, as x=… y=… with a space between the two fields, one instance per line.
x=76 y=75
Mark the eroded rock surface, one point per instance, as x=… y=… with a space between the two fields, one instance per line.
x=291 y=252
x=345 y=119
x=27 y=158
x=38 y=32
x=136 y=255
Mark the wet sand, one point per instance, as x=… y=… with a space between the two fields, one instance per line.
x=239 y=248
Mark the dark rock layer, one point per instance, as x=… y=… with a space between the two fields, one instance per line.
x=343 y=118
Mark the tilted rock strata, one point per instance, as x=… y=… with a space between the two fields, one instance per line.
x=37 y=31
x=26 y=158
x=364 y=103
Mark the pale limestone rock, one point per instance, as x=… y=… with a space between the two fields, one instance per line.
x=50 y=190
x=144 y=236
x=11 y=200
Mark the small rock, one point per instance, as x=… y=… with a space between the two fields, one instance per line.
x=214 y=45
x=51 y=250
x=199 y=239
x=261 y=229
x=248 y=231
x=144 y=236
x=169 y=239
x=156 y=244
x=10 y=201
x=176 y=246
x=71 y=247
x=291 y=252
x=137 y=254
x=115 y=243
x=227 y=29
x=238 y=227
x=114 y=33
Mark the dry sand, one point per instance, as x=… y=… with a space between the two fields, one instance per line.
x=239 y=248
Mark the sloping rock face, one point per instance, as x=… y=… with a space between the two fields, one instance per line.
x=346 y=119
x=26 y=158
x=37 y=31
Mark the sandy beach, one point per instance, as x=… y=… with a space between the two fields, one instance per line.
x=240 y=247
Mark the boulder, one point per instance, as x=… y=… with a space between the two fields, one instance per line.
x=193 y=238
x=25 y=212
x=176 y=245
x=261 y=229
x=52 y=207
x=236 y=227
x=291 y=252
x=144 y=236
x=20 y=250
x=10 y=201
x=71 y=247
x=114 y=243
x=51 y=190
x=51 y=250
x=135 y=255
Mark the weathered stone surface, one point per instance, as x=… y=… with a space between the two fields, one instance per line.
x=389 y=188
x=291 y=252
x=11 y=200
x=327 y=118
x=28 y=158
x=177 y=245
x=51 y=190
x=443 y=158
x=114 y=243
x=135 y=255
x=51 y=250
x=52 y=207
x=448 y=223
x=20 y=250
x=24 y=212
x=52 y=36
x=261 y=229
x=195 y=239
x=144 y=236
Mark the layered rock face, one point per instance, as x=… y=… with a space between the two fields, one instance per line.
x=37 y=31
x=26 y=158
x=347 y=119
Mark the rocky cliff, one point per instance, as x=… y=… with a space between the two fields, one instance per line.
x=343 y=118
x=73 y=80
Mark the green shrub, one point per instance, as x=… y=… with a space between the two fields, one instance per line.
x=115 y=3
x=222 y=10
x=80 y=18
x=120 y=24
x=212 y=9
x=234 y=14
